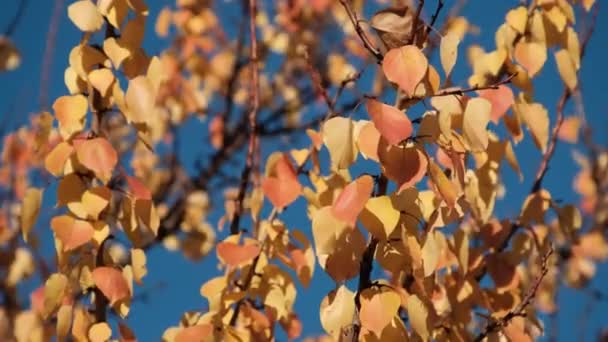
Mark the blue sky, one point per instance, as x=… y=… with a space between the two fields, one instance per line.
x=182 y=278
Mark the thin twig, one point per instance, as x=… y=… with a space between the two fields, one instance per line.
x=255 y=105
x=520 y=310
x=361 y=33
x=414 y=31
x=10 y=29
x=462 y=91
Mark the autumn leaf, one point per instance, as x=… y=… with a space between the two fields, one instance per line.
x=392 y=123
x=378 y=307
x=352 y=199
x=72 y=232
x=448 y=52
x=29 y=210
x=474 y=122
x=99 y=156
x=111 y=283
x=234 y=255
x=405 y=66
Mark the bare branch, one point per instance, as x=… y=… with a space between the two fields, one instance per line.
x=255 y=100
x=362 y=35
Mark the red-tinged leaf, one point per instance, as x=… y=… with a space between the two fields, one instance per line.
x=352 y=199
x=72 y=232
x=138 y=189
x=405 y=66
x=234 y=255
x=199 y=332
x=281 y=192
x=392 y=123
x=99 y=156
x=111 y=283
x=501 y=99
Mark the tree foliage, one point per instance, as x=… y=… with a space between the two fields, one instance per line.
x=401 y=177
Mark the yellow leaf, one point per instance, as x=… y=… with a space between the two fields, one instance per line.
x=116 y=51
x=449 y=52
x=517 y=19
x=29 y=210
x=138 y=260
x=566 y=68
x=531 y=55
x=535 y=207
x=474 y=123
x=338 y=137
x=380 y=217
x=54 y=291
x=100 y=332
x=140 y=99
x=536 y=118
x=95 y=200
x=444 y=185
x=85 y=16
x=430 y=254
x=418 y=316
x=102 y=80
x=325 y=230
x=337 y=311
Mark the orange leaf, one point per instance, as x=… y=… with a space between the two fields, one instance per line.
x=111 y=283
x=72 y=232
x=569 y=129
x=392 y=123
x=405 y=66
x=281 y=192
x=352 y=199
x=56 y=159
x=70 y=111
x=99 y=156
x=233 y=254
x=501 y=100
x=531 y=56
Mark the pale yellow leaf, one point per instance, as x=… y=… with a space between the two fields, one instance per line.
x=449 y=52
x=474 y=123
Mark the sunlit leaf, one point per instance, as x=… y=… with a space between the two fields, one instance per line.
x=449 y=52
x=99 y=156
x=111 y=283
x=405 y=66
x=474 y=123
x=352 y=199
x=392 y=123
x=85 y=16
x=29 y=211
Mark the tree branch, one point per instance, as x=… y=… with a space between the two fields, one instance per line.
x=361 y=33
